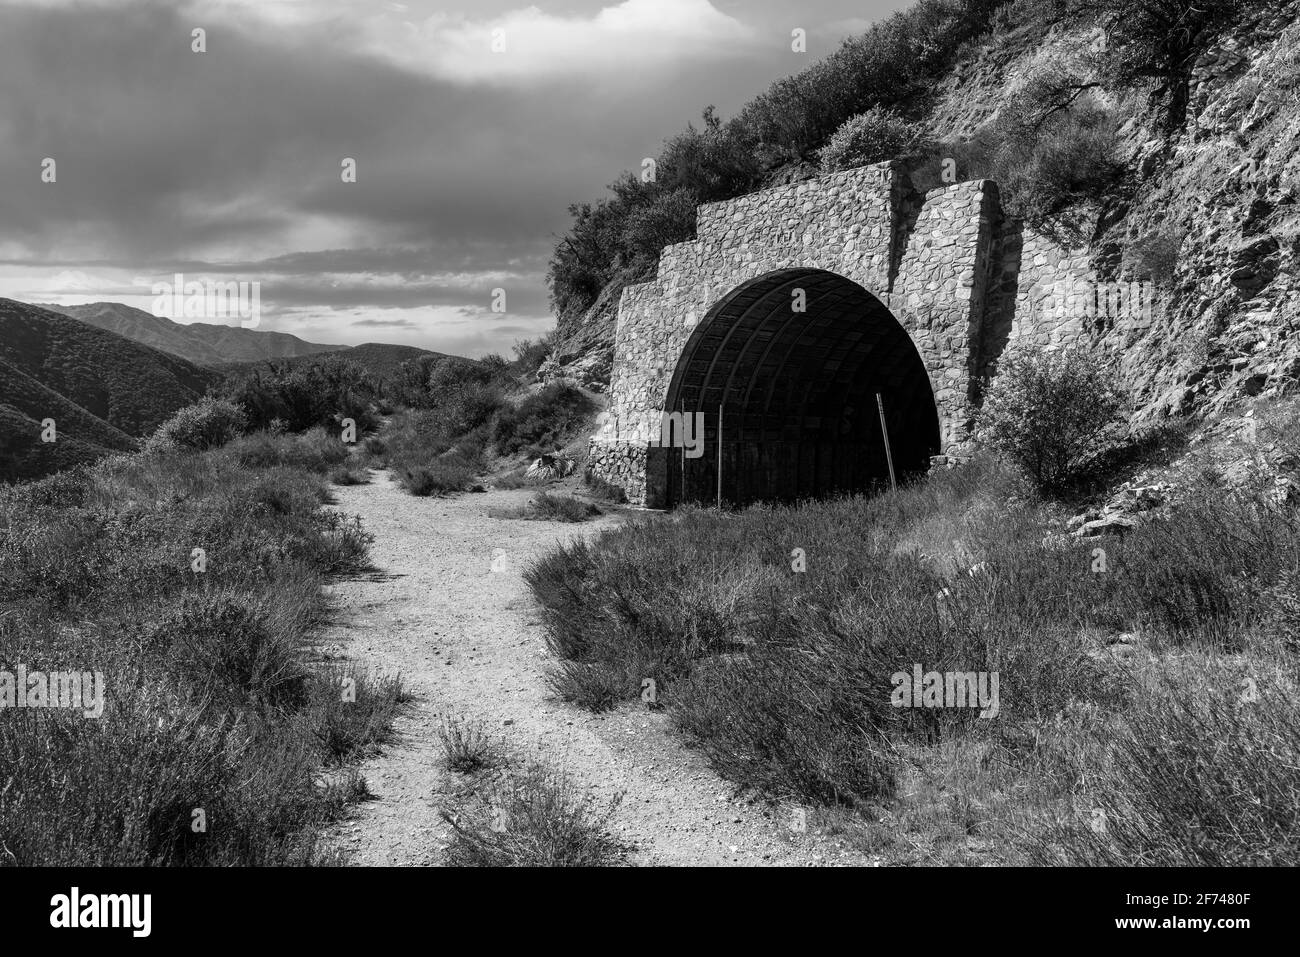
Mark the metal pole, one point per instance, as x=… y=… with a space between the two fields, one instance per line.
x=719 y=456
x=884 y=431
x=681 y=491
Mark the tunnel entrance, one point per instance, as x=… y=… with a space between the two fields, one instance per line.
x=797 y=395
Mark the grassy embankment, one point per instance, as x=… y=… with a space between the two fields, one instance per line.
x=1147 y=692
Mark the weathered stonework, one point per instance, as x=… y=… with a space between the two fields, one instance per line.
x=959 y=278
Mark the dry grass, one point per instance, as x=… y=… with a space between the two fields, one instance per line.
x=215 y=706
x=783 y=677
x=467 y=747
x=536 y=817
x=548 y=507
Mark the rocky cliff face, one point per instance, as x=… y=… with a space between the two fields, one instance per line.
x=584 y=342
x=1229 y=189
x=1214 y=215
x=1213 y=221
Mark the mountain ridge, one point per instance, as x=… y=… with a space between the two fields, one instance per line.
x=203 y=343
x=103 y=391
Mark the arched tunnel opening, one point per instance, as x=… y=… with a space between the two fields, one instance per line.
x=797 y=395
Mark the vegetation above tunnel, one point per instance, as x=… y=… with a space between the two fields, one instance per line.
x=1053 y=146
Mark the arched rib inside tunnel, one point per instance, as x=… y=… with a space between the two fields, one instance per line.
x=797 y=392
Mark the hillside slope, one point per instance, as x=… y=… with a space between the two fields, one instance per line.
x=79 y=436
x=202 y=343
x=101 y=389
x=1210 y=213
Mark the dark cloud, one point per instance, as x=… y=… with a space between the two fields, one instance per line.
x=227 y=162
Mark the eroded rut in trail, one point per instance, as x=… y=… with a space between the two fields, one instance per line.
x=463 y=633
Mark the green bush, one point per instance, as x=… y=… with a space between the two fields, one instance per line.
x=1051 y=412
x=467 y=747
x=1155 y=44
x=322 y=392
x=343 y=475
x=542 y=422
x=545 y=507
x=871 y=137
x=410 y=386
x=440 y=477
x=313 y=451
x=666 y=219
x=530 y=354
x=206 y=424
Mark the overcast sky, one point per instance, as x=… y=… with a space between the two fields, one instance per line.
x=226 y=164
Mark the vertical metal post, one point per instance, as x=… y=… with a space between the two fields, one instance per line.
x=681 y=491
x=884 y=431
x=719 y=456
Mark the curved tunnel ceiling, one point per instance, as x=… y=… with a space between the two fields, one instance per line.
x=805 y=378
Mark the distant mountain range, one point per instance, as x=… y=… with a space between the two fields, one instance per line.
x=203 y=343
x=101 y=389
x=108 y=375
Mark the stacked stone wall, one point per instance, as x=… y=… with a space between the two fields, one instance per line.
x=959 y=277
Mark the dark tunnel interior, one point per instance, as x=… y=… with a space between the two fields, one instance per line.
x=797 y=393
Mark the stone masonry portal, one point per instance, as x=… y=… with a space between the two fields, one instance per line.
x=792 y=309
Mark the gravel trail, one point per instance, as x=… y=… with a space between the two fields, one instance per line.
x=450 y=612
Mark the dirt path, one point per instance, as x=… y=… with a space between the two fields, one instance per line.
x=462 y=631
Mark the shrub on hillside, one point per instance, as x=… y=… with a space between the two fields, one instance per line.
x=467 y=747
x=350 y=726
x=424 y=443
x=206 y=424
x=448 y=379
x=313 y=451
x=410 y=386
x=666 y=219
x=1155 y=44
x=345 y=475
x=464 y=393
x=226 y=648
x=1154 y=255
x=1052 y=146
x=322 y=393
x=530 y=354
x=1051 y=412
x=543 y=421
x=65 y=489
x=871 y=137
